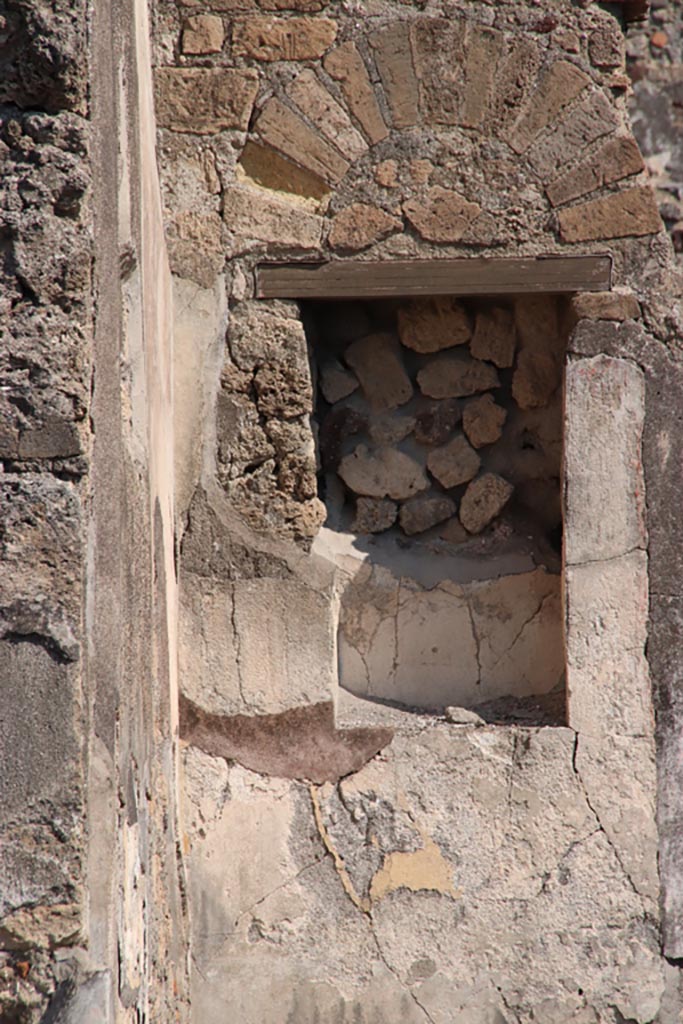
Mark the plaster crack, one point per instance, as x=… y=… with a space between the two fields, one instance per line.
x=360 y=902
x=477 y=641
x=283 y=885
x=611 y=558
x=238 y=650
x=601 y=827
x=394 y=972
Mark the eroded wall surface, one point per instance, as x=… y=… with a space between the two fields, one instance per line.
x=91 y=909
x=377 y=865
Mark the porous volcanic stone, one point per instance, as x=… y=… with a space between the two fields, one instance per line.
x=378 y=365
x=336 y=382
x=390 y=429
x=452 y=376
x=441 y=215
x=268 y=39
x=494 y=336
x=436 y=423
x=203 y=33
x=420 y=514
x=360 y=225
x=431 y=325
x=373 y=515
x=483 y=500
x=483 y=421
x=454 y=463
x=383 y=472
x=534 y=380
x=340 y=424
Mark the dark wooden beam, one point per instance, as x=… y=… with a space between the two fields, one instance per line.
x=355 y=279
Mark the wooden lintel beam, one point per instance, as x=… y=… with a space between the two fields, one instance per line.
x=356 y=279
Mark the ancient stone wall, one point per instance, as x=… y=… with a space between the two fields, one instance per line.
x=90 y=896
x=365 y=862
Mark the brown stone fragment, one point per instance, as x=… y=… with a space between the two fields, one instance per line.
x=390 y=429
x=560 y=84
x=420 y=171
x=203 y=33
x=441 y=215
x=453 y=532
x=659 y=39
x=454 y=463
x=283 y=130
x=336 y=382
x=483 y=500
x=617 y=159
x=373 y=515
x=514 y=78
x=604 y=306
x=395 y=65
x=421 y=513
x=386 y=174
x=305 y=6
x=253 y=214
x=360 y=225
x=450 y=376
x=376 y=361
x=483 y=421
x=339 y=424
x=606 y=47
x=581 y=126
x=494 y=336
x=535 y=379
x=204 y=100
x=483 y=48
x=313 y=100
x=265 y=166
x=430 y=325
x=268 y=39
x=436 y=423
x=383 y=472
x=439 y=53
x=621 y=215
x=346 y=66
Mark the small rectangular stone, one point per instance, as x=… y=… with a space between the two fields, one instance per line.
x=581 y=126
x=346 y=66
x=395 y=66
x=257 y=214
x=558 y=87
x=604 y=306
x=439 y=55
x=620 y=215
x=270 y=39
x=284 y=131
x=204 y=100
x=313 y=100
x=483 y=48
x=617 y=159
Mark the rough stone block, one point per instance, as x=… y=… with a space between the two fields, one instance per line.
x=278 y=126
x=436 y=423
x=373 y=515
x=535 y=380
x=360 y=225
x=204 y=33
x=390 y=429
x=604 y=306
x=441 y=215
x=377 y=362
x=395 y=64
x=430 y=325
x=255 y=215
x=305 y=6
x=515 y=76
x=450 y=376
x=313 y=100
x=424 y=512
x=204 y=100
x=382 y=473
x=483 y=48
x=617 y=159
x=269 y=39
x=604 y=485
x=346 y=66
x=439 y=54
x=336 y=382
x=606 y=46
x=582 y=125
x=270 y=169
x=484 y=499
x=453 y=463
x=558 y=86
x=482 y=421
x=386 y=174
x=621 y=215
x=494 y=336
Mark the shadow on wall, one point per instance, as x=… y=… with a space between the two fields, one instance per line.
x=439 y=435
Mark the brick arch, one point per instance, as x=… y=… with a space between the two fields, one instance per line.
x=444 y=135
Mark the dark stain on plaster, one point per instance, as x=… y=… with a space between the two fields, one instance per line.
x=302 y=743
